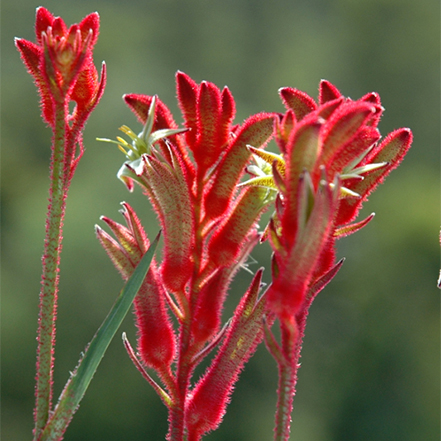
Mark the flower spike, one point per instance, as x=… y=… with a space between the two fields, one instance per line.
x=330 y=159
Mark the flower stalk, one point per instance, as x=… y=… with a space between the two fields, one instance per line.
x=61 y=63
x=50 y=278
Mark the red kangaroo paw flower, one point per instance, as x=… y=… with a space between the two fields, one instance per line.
x=255 y=131
x=156 y=340
x=390 y=152
x=208 y=309
x=227 y=241
x=62 y=64
x=177 y=219
x=207 y=403
x=328 y=164
x=208 y=113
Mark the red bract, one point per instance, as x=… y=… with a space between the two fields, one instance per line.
x=61 y=63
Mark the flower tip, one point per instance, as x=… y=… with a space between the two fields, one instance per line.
x=40 y=10
x=98 y=230
x=407 y=132
x=19 y=43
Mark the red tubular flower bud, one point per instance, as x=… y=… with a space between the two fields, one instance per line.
x=391 y=151
x=225 y=244
x=208 y=114
x=297 y=269
x=283 y=129
x=226 y=117
x=177 y=219
x=206 y=150
x=156 y=339
x=125 y=238
x=255 y=131
x=117 y=254
x=187 y=91
x=86 y=85
x=134 y=224
x=302 y=151
x=209 y=399
x=342 y=127
x=208 y=310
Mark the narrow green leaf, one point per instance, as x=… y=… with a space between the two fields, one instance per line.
x=78 y=383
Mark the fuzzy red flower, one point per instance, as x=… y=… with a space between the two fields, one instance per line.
x=331 y=161
x=61 y=63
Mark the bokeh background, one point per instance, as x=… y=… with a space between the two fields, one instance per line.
x=370 y=364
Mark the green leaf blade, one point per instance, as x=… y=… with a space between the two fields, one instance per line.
x=78 y=383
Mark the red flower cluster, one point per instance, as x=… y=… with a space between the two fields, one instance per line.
x=329 y=163
x=209 y=227
x=61 y=63
x=332 y=161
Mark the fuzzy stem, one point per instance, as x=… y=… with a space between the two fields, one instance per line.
x=185 y=362
x=286 y=390
x=286 y=393
x=49 y=279
x=177 y=411
x=288 y=365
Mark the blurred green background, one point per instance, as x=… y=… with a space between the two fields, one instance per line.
x=370 y=364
